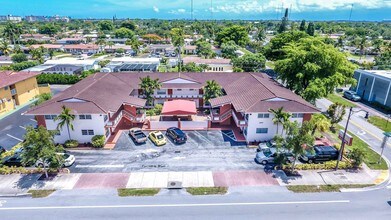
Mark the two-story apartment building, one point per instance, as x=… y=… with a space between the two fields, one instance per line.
x=106 y=102
x=17 y=88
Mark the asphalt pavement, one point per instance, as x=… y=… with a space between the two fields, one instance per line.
x=240 y=203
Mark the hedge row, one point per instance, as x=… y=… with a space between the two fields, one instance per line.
x=57 y=79
x=329 y=165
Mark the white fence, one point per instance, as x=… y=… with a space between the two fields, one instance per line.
x=163 y=125
x=194 y=125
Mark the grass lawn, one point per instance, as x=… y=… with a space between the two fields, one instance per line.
x=56 y=53
x=323 y=188
x=380 y=122
x=337 y=98
x=371 y=157
x=41 y=193
x=97 y=55
x=207 y=190
x=270 y=64
x=137 y=192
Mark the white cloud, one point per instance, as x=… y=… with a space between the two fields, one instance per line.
x=156 y=9
x=178 y=11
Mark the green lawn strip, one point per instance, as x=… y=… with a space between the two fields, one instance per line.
x=380 y=122
x=371 y=157
x=41 y=193
x=324 y=188
x=207 y=190
x=137 y=192
x=337 y=98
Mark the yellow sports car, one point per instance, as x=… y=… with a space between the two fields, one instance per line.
x=157 y=138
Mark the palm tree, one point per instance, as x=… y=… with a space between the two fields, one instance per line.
x=212 y=90
x=110 y=44
x=149 y=86
x=278 y=116
x=12 y=32
x=285 y=121
x=320 y=123
x=37 y=54
x=5 y=47
x=65 y=118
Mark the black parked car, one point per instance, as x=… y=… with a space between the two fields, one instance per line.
x=177 y=135
x=320 y=154
x=13 y=161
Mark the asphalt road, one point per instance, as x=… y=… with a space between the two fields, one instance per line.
x=13 y=127
x=240 y=203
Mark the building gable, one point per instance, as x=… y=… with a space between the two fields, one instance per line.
x=179 y=81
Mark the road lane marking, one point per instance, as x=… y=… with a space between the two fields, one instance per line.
x=18 y=139
x=33 y=120
x=22 y=127
x=101 y=166
x=373 y=135
x=2 y=202
x=176 y=205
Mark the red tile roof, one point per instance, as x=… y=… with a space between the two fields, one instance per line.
x=247 y=92
x=9 y=77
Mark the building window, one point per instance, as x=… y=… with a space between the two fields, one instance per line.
x=260 y=115
x=50 y=117
x=82 y=117
x=105 y=117
x=191 y=89
x=179 y=90
x=161 y=92
x=6 y=88
x=87 y=132
x=262 y=130
x=297 y=115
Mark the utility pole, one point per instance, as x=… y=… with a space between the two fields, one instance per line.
x=192 y=17
x=211 y=10
x=351 y=10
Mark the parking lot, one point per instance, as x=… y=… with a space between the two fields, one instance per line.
x=204 y=150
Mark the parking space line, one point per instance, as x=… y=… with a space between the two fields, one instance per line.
x=33 y=120
x=22 y=127
x=203 y=137
x=100 y=166
x=18 y=139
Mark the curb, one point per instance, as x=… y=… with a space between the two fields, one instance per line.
x=18 y=195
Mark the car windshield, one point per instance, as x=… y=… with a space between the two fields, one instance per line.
x=159 y=136
x=267 y=152
x=65 y=156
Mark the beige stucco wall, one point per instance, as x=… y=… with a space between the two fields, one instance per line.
x=6 y=106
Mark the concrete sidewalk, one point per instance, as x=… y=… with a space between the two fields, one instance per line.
x=16 y=184
x=331 y=177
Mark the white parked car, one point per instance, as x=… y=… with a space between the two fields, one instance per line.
x=69 y=159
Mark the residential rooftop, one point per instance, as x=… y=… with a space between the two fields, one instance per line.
x=10 y=77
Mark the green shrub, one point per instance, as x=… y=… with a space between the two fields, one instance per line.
x=357 y=156
x=19 y=57
x=329 y=165
x=98 y=141
x=155 y=110
x=5 y=170
x=23 y=65
x=71 y=144
x=57 y=79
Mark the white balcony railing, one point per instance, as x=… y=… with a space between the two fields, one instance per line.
x=237 y=121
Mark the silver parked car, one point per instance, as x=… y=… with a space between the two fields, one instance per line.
x=351 y=95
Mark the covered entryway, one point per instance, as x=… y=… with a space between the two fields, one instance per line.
x=181 y=114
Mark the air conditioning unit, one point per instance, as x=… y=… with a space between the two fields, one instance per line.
x=174 y=185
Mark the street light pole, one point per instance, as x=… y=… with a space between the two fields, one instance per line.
x=340 y=155
x=341 y=150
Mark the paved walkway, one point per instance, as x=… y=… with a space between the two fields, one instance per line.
x=17 y=184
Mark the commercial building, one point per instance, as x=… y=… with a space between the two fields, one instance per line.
x=106 y=102
x=374 y=86
x=18 y=88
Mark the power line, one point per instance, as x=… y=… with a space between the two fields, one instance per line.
x=192 y=16
x=351 y=10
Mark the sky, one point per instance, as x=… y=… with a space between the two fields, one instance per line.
x=371 y=10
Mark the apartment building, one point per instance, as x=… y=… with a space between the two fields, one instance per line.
x=106 y=102
x=215 y=65
x=18 y=88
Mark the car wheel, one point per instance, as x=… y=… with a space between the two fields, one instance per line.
x=310 y=161
x=264 y=162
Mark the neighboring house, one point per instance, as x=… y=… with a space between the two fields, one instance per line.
x=130 y=64
x=215 y=65
x=374 y=86
x=161 y=48
x=112 y=49
x=5 y=61
x=65 y=69
x=81 y=48
x=70 y=41
x=35 y=37
x=87 y=64
x=190 y=49
x=117 y=40
x=54 y=47
x=18 y=88
x=244 y=106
